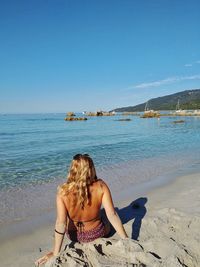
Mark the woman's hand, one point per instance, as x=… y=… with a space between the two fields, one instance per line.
x=44 y=259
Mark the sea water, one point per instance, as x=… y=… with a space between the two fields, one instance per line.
x=36 y=151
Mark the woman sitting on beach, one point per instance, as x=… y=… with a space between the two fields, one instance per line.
x=79 y=202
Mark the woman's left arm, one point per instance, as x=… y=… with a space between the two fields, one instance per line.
x=60 y=228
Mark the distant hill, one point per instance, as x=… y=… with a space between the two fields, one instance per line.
x=189 y=99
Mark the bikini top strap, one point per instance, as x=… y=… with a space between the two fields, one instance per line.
x=94 y=219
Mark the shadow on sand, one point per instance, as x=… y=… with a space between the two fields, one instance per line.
x=135 y=210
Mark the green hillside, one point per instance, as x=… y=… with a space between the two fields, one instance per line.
x=189 y=99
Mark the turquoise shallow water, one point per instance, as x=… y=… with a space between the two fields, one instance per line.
x=40 y=147
x=37 y=149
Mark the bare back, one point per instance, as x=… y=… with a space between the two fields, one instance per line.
x=90 y=214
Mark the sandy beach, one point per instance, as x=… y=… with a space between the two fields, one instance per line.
x=163 y=226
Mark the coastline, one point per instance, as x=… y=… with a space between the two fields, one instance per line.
x=125 y=179
x=178 y=198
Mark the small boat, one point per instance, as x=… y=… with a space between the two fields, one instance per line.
x=150 y=113
x=178 y=109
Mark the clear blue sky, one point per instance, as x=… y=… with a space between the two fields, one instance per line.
x=75 y=55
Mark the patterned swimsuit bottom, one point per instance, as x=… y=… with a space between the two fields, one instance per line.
x=87 y=236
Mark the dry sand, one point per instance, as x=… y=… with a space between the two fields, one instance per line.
x=163 y=227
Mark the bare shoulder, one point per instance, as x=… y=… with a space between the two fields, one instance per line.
x=102 y=184
x=59 y=190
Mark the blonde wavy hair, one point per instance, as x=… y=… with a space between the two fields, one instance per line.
x=82 y=173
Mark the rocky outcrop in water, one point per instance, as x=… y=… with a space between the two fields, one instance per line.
x=75 y=119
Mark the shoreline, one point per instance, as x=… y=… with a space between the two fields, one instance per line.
x=46 y=217
x=20 y=204
x=36 y=235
